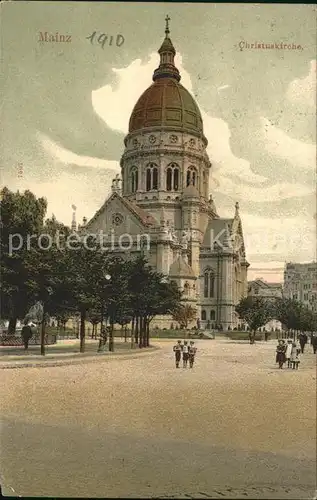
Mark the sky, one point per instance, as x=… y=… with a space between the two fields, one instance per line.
x=67 y=106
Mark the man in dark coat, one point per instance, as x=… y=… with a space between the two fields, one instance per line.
x=303 y=341
x=314 y=343
x=26 y=334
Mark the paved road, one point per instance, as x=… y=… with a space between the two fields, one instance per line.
x=234 y=427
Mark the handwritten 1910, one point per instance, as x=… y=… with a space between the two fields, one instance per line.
x=102 y=39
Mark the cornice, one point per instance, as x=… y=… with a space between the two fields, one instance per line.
x=180 y=130
x=150 y=152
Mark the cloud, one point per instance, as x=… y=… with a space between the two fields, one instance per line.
x=268 y=194
x=66 y=190
x=223 y=160
x=303 y=90
x=278 y=143
x=114 y=105
x=291 y=238
x=69 y=158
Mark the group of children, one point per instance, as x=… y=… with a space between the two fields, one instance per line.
x=288 y=353
x=185 y=350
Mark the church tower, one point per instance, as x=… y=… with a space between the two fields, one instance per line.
x=165 y=149
x=163 y=194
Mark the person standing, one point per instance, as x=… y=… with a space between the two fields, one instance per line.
x=303 y=341
x=185 y=354
x=288 y=352
x=280 y=353
x=192 y=353
x=295 y=356
x=178 y=352
x=102 y=340
x=26 y=334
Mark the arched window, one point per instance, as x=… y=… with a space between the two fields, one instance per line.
x=203 y=315
x=172 y=177
x=206 y=284
x=186 y=289
x=155 y=178
x=209 y=283
x=148 y=179
x=169 y=179
x=134 y=179
x=191 y=177
x=188 y=178
x=212 y=315
x=176 y=179
x=151 y=177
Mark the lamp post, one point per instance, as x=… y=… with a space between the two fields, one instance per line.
x=102 y=341
x=49 y=292
x=107 y=278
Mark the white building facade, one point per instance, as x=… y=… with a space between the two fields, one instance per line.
x=300 y=283
x=163 y=199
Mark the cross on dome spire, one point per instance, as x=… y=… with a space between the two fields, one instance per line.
x=167 y=31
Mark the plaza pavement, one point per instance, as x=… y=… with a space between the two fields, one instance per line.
x=233 y=427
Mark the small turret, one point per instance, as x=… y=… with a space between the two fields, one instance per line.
x=74 y=223
x=227 y=240
x=212 y=204
x=237 y=209
x=116 y=185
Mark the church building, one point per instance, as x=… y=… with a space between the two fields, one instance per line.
x=161 y=205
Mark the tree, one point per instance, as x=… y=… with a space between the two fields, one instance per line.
x=94 y=319
x=184 y=314
x=151 y=295
x=80 y=281
x=62 y=317
x=123 y=321
x=256 y=311
x=294 y=315
x=22 y=215
x=117 y=294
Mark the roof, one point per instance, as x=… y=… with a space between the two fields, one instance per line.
x=180 y=268
x=144 y=217
x=166 y=103
x=261 y=282
x=216 y=231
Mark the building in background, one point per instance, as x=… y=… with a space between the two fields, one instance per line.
x=261 y=288
x=300 y=283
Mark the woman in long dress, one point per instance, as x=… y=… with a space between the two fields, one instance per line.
x=295 y=356
x=288 y=352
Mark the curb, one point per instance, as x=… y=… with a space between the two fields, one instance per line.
x=80 y=360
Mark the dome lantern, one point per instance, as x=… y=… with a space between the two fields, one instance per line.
x=167 y=68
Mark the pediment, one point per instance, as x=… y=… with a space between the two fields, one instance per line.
x=118 y=216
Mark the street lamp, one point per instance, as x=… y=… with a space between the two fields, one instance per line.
x=102 y=340
x=107 y=278
x=49 y=291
